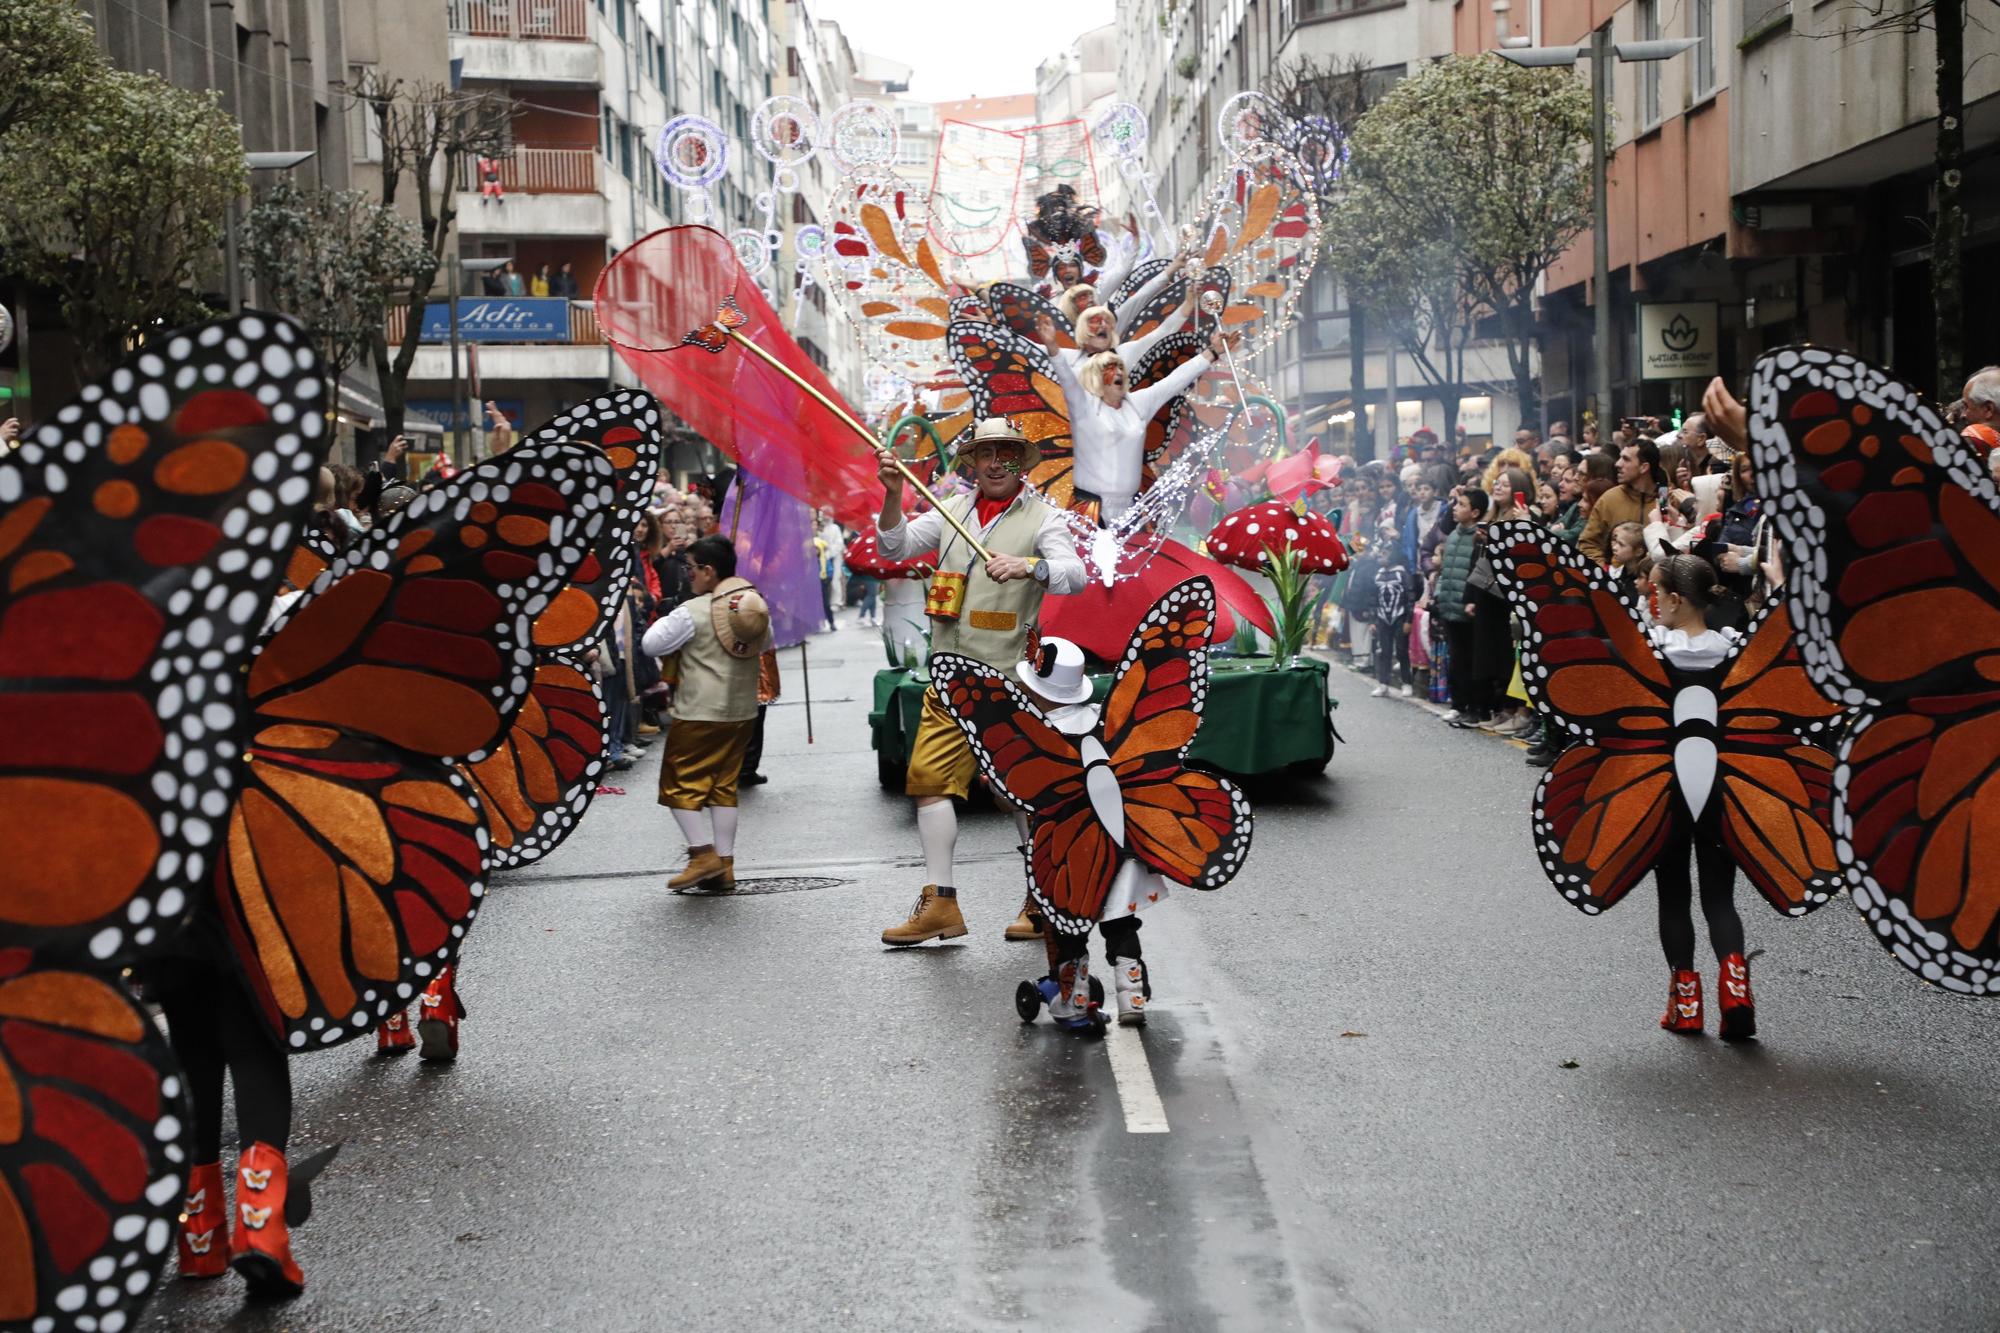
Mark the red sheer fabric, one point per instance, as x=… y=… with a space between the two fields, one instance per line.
x=671 y=283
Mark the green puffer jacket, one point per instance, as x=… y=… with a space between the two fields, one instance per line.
x=1455 y=562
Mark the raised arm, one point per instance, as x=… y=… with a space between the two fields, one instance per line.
x=1129 y=309
x=897 y=539
x=1135 y=350
x=1151 y=399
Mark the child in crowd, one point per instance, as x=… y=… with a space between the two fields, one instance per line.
x=1628 y=548
x=1451 y=601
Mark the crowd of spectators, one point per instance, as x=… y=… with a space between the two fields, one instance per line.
x=1419 y=604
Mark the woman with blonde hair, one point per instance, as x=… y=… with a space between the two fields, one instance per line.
x=1108 y=419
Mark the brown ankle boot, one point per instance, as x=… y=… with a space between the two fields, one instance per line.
x=1023 y=927
x=933 y=918
x=703 y=865
x=728 y=872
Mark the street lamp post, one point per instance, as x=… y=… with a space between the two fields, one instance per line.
x=231 y=256
x=460 y=267
x=1599 y=53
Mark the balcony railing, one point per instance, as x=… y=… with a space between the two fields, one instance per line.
x=583 y=330
x=540 y=171
x=535 y=20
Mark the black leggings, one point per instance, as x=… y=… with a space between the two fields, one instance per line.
x=1392 y=652
x=1121 y=940
x=212 y=1027
x=1717 y=870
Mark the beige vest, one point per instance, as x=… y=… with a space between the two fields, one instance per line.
x=714 y=686
x=992 y=627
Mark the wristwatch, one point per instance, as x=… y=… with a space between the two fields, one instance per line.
x=1040 y=569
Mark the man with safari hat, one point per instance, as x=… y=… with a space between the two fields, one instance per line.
x=719 y=633
x=979 y=609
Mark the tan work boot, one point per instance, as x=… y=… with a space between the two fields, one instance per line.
x=728 y=872
x=703 y=865
x=933 y=918
x=1023 y=927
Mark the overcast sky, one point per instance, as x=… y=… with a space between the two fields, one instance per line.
x=962 y=49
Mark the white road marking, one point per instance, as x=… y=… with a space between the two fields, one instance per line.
x=1144 y=1113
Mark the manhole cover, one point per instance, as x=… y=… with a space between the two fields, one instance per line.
x=786 y=884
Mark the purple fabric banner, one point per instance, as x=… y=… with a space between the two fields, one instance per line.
x=774 y=550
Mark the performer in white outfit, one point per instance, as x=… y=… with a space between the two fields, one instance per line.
x=1107 y=420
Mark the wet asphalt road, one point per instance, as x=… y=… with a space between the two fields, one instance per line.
x=743 y=1113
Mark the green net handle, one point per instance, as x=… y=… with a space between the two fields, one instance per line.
x=1277 y=415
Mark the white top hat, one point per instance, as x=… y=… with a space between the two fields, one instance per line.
x=1056 y=673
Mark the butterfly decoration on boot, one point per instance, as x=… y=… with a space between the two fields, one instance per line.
x=1119 y=790
x=1891 y=531
x=1648 y=742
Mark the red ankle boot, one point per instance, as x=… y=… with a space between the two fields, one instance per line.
x=1732 y=992
x=438 y=1025
x=1683 y=1003
x=260 y=1240
x=204 y=1245
x=393 y=1037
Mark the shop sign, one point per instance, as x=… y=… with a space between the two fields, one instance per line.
x=1677 y=341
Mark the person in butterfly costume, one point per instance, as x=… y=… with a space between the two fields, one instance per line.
x=1679 y=739
x=981 y=610
x=1114 y=816
x=1892 y=525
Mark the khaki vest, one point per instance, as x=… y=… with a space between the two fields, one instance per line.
x=992 y=627
x=714 y=686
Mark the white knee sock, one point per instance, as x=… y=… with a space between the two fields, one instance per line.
x=694 y=826
x=725 y=829
x=937 y=829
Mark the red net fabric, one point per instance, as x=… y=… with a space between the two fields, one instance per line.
x=671 y=283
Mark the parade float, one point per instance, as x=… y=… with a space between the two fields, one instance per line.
x=1015 y=285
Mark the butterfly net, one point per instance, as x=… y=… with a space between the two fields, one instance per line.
x=671 y=284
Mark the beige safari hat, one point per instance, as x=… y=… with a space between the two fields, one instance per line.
x=992 y=430
x=741 y=617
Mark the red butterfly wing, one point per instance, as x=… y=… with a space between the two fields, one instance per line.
x=537 y=783
x=1600 y=817
x=91 y=1179
x=1601 y=813
x=315 y=552
x=1010 y=377
x=1072 y=858
x=1892 y=535
x=625 y=424
x=143 y=531
x=1018 y=308
x=1191 y=827
x=1776 y=791
x=356 y=852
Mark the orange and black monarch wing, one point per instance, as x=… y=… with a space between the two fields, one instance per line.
x=625 y=424
x=1192 y=827
x=1774 y=785
x=537 y=783
x=1129 y=288
x=1891 y=529
x=143 y=531
x=315 y=551
x=1071 y=857
x=1018 y=308
x=1173 y=426
x=356 y=853
x=1010 y=376
x=92 y=1171
x=1602 y=812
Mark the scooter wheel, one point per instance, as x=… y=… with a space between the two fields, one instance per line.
x=1027 y=1001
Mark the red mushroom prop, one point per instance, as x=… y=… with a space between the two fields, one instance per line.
x=1245 y=538
x=864 y=556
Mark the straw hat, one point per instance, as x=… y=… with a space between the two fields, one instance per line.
x=741 y=617
x=1056 y=673
x=992 y=430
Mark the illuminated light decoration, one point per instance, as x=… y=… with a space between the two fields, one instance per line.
x=692 y=153
x=785 y=133
x=863 y=134
x=1248 y=120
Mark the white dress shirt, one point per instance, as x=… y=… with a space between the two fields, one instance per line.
x=668 y=634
